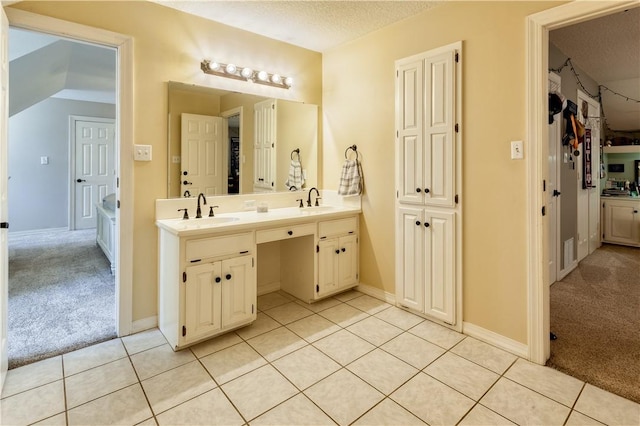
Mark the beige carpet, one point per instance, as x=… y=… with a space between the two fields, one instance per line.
x=595 y=313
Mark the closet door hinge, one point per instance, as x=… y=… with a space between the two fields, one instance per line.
x=184 y=277
x=457 y=57
x=457 y=128
x=455 y=199
x=252 y=308
x=317 y=288
x=118 y=203
x=317 y=248
x=184 y=331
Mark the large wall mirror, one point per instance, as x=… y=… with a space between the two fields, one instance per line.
x=222 y=142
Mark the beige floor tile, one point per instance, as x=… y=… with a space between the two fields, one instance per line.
x=159 y=359
x=33 y=405
x=344 y=347
x=320 y=305
x=382 y=370
x=148 y=422
x=295 y=411
x=348 y=295
x=388 y=413
x=464 y=376
x=547 y=381
x=262 y=324
x=399 y=317
x=579 y=419
x=368 y=304
x=176 y=386
x=271 y=300
x=288 y=313
x=227 y=364
x=607 y=408
x=57 y=420
x=93 y=356
x=313 y=328
x=432 y=401
x=32 y=375
x=276 y=343
x=437 y=334
x=343 y=396
x=413 y=350
x=481 y=415
x=126 y=406
x=211 y=408
x=258 y=391
x=306 y=366
x=99 y=381
x=484 y=354
x=343 y=315
x=524 y=406
x=216 y=344
x=374 y=330
x=144 y=340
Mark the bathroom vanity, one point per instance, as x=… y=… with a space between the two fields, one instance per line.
x=621 y=220
x=209 y=268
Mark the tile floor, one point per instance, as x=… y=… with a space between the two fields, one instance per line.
x=350 y=359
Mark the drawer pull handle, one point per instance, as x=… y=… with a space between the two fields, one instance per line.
x=426 y=190
x=228 y=276
x=218 y=279
x=418 y=190
x=418 y=222
x=290 y=232
x=426 y=224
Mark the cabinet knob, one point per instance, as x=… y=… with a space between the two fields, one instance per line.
x=426 y=190
x=635 y=211
x=337 y=251
x=290 y=232
x=228 y=276
x=343 y=249
x=426 y=224
x=218 y=279
x=418 y=222
x=418 y=190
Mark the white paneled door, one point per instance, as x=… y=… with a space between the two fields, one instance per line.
x=4 y=267
x=94 y=168
x=202 y=142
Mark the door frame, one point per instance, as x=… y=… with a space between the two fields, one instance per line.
x=73 y=119
x=538 y=26
x=123 y=45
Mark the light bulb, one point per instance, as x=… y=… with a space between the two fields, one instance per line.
x=214 y=66
x=275 y=78
x=246 y=73
x=231 y=69
x=288 y=81
x=263 y=76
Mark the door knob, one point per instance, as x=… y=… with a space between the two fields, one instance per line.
x=186 y=182
x=418 y=190
x=418 y=222
x=228 y=276
x=337 y=251
x=426 y=224
x=290 y=232
x=343 y=249
x=80 y=180
x=218 y=279
x=426 y=190
x=556 y=192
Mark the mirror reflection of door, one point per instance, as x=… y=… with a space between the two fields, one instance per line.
x=233 y=132
x=203 y=170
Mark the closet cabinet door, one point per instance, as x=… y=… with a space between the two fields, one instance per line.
x=238 y=291
x=264 y=145
x=202 y=301
x=439 y=264
x=410 y=258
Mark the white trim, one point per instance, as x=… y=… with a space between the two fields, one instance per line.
x=144 y=324
x=537 y=58
x=124 y=131
x=36 y=232
x=72 y=162
x=268 y=288
x=495 y=339
x=377 y=293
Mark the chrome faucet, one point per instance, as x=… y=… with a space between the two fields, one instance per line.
x=198 y=211
x=309 y=197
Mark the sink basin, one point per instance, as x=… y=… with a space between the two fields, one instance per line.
x=202 y=223
x=316 y=209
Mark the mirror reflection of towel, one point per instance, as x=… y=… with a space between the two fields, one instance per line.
x=295 y=175
x=350 y=180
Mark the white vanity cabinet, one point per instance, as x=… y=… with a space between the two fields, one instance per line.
x=337 y=251
x=207 y=286
x=621 y=221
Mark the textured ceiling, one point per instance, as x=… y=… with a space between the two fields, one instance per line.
x=315 y=25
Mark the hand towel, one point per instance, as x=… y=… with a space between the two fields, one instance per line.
x=295 y=175
x=350 y=180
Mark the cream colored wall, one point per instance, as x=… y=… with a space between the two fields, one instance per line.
x=358 y=92
x=168 y=46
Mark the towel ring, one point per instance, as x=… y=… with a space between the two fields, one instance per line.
x=354 y=148
x=297 y=152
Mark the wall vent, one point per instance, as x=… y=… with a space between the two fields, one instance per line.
x=567 y=258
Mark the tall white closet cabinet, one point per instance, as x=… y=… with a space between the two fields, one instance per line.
x=428 y=183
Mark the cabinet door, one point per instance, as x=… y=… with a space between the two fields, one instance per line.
x=348 y=261
x=328 y=280
x=202 y=301
x=439 y=246
x=410 y=258
x=238 y=291
x=264 y=145
x=621 y=223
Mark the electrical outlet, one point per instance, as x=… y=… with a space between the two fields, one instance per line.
x=517 y=152
x=176 y=159
x=142 y=152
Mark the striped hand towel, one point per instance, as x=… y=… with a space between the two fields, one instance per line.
x=295 y=175
x=350 y=180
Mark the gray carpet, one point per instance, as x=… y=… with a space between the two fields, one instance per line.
x=595 y=312
x=61 y=295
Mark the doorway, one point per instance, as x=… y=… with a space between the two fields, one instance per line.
x=233 y=135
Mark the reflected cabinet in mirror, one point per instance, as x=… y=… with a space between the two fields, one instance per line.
x=224 y=142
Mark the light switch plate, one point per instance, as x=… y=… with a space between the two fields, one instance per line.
x=142 y=152
x=517 y=152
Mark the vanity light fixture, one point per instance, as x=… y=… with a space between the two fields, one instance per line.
x=245 y=73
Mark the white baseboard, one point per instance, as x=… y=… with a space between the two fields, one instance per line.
x=377 y=293
x=268 y=288
x=144 y=324
x=37 y=232
x=495 y=339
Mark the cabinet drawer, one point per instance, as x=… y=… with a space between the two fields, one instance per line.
x=218 y=246
x=330 y=228
x=285 y=233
